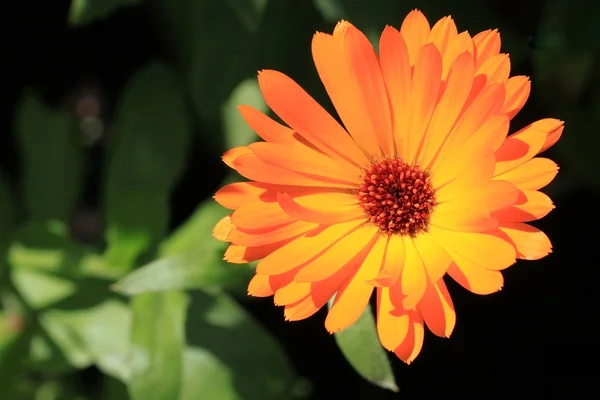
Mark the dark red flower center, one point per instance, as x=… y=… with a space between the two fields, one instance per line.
x=397 y=197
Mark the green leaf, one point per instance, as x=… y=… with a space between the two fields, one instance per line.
x=361 y=347
x=52 y=157
x=11 y=363
x=102 y=332
x=185 y=271
x=146 y=158
x=42 y=255
x=231 y=356
x=57 y=349
x=83 y=12
x=45 y=271
x=158 y=341
x=196 y=232
x=90 y=326
x=192 y=259
x=7 y=220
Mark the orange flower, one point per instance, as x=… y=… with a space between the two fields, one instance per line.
x=421 y=181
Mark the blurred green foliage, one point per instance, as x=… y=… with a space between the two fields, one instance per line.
x=153 y=309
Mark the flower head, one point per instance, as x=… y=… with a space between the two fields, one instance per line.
x=422 y=180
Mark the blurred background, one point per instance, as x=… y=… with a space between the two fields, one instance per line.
x=114 y=115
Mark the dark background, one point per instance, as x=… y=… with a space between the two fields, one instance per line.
x=539 y=335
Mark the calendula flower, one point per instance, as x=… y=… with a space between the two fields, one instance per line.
x=421 y=180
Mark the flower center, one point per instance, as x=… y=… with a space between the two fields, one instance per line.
x=397 y=197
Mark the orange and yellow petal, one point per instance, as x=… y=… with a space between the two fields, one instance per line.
x=306 y=247
x=517 y=93
x=437 y=309
x=265 y=127
x=531 y=205
x=415 y=30
x=305 y=116
x=396 y=73
x=349 y=69
x=448 y=108
x=352 y=298
x=487 y=45
x=530 y=243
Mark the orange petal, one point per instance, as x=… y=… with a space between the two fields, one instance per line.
x=457 y=46
x=260 y=215
x=292 y=293
x=413 y=281
x=474 y=174
x=223 y=229
x=425 y=87
x=304 y=248
x=554 y=128
x=235 y=195
x=472 y=163
x=392 y=328
x=442 y=33
x=338 y=255
x=392 y=264
x=435 y=259
x=486 y=105
x=325 y=199
x=343 y=88
x=533 y=174
x=264 y=237
x=532 y=206
x=364 y=66
x=265 y=127
x=474 y=278
x=470 y=212
x=260 y=286
x=487 y=44
x=303 y=114
x=448 y=108
x=461 y=211
x=517 y=93
x=410 y=348
x=352 y=298
x=232 y=154
x=251 y=167
x=462 y=217
x=327 y=214
x=396 y=72
x=303 y=309
x=437 y=309
x=237 y=254
x=494 y=130
x=415 y=30
x=305 y=160
x=530 y=242
x=519 y=148
x=321 y=292
x=463 y=145
x=491 y=196
x=496 y=69
x=486 y=250
x=264 y=285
